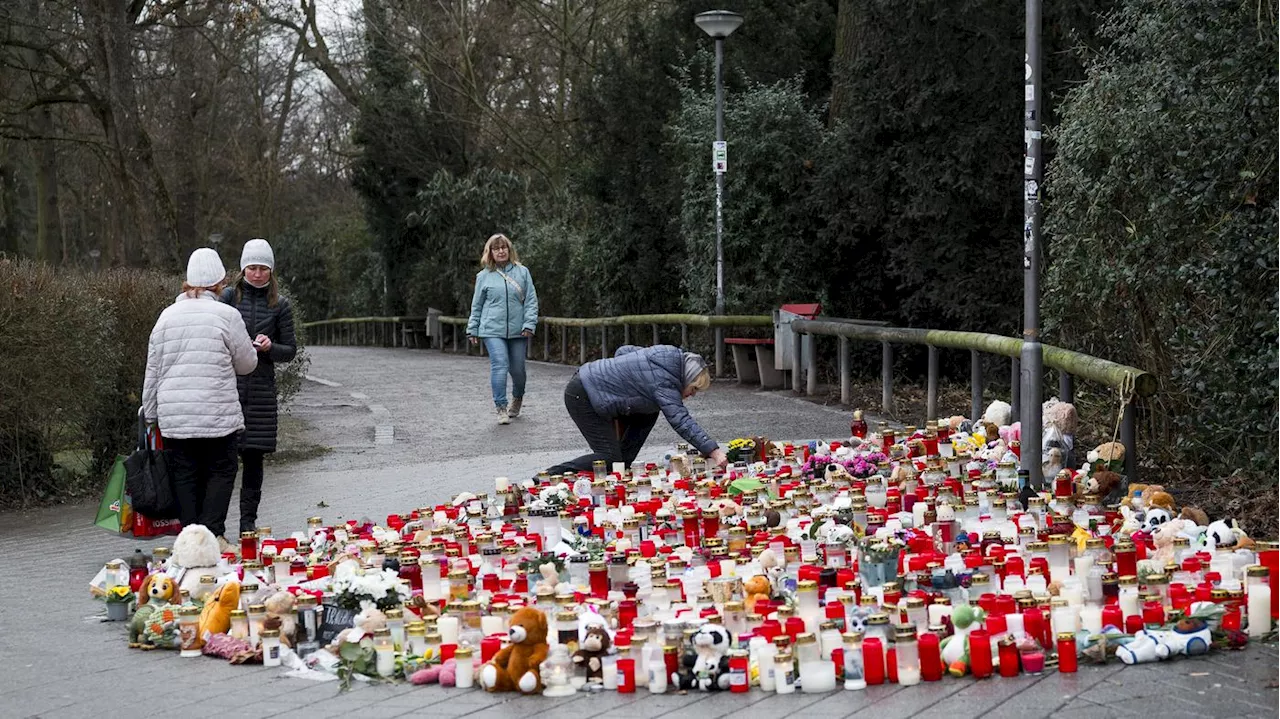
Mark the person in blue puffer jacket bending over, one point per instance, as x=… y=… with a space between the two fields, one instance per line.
x=615 y=402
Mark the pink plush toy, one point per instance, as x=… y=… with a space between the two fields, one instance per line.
x=1011 y=433
x=445 y=673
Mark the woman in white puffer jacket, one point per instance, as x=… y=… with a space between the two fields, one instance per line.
x=197 y=348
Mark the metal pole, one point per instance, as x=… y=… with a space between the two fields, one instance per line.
x=582 y=345
x=1129 y=438
x=719 y=191
x=1032 y=369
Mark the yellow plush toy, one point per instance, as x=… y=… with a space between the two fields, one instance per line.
x=215 y=618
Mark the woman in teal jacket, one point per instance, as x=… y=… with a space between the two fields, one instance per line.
x=504 y=313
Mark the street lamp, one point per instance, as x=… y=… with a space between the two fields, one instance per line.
x=719 y=24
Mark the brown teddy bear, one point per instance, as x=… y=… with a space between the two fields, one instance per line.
x=516 y=666
x=594 y=646
x=756 y=589
x=1138 y=494
x=281 y=615
x=1101 y=484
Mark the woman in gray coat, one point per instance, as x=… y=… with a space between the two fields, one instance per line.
x=615 y=403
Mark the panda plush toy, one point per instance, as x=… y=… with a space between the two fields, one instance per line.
x=705 y=665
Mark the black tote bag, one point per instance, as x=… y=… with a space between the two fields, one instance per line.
x=148 y=481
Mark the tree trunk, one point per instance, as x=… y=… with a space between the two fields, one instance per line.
x=851 y=22
x=48 y=226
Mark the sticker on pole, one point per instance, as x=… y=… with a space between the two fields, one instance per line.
x=720 y=157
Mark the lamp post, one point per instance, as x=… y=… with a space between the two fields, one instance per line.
x=719 y=24
x=1032 y=359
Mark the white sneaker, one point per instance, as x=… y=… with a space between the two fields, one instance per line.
x=503 y=417
x=513 y=411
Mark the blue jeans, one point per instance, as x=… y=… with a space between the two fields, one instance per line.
x=506 y=356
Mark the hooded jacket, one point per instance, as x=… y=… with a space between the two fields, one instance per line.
x=496 y=307
x=644 y=381
x=196 y=349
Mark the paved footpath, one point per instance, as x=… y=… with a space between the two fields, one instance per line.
x=410 y=428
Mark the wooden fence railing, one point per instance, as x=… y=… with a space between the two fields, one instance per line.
x=1131 y=382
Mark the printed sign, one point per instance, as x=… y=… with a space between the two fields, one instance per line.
x=332 y=621
x=720 y=157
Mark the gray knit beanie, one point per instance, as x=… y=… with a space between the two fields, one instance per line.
x=693 y=366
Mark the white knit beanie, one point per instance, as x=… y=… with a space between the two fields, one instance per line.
x=204 y=268
x=257 y=252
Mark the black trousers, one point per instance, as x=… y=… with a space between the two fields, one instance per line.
x=250 y=487
x=611 y=440
x=204 y=475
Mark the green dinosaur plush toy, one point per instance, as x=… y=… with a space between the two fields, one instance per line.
x=955 y=649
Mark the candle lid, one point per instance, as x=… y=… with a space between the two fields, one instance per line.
x=851 y=637
x=269 y=634
x=1066 y=637
x=462 y=653
x=1256 y=570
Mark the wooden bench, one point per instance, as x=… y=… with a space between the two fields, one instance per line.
x=755 y=367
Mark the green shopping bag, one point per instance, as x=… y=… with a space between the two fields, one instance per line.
x=114 y=512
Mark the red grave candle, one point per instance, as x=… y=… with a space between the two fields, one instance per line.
x=1112 y=616
x=1008 y=658
x=930 y=657
x=1067 y=660
x=873 y=660
x=626 y=676
x=980 y=653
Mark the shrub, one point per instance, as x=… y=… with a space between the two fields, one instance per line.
x=1163 y=221
x=76 y=343
x=55 y=333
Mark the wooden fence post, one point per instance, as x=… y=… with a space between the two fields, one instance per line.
x=931 y=396
x=886 y=377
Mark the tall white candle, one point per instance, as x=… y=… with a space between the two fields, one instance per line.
x=937 y=612
x=1259 y=609
x=501 y=484
x=492 y=624
x=1091 y=618
x=448 y=628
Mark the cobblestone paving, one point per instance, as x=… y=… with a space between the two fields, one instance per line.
x=60 y=660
